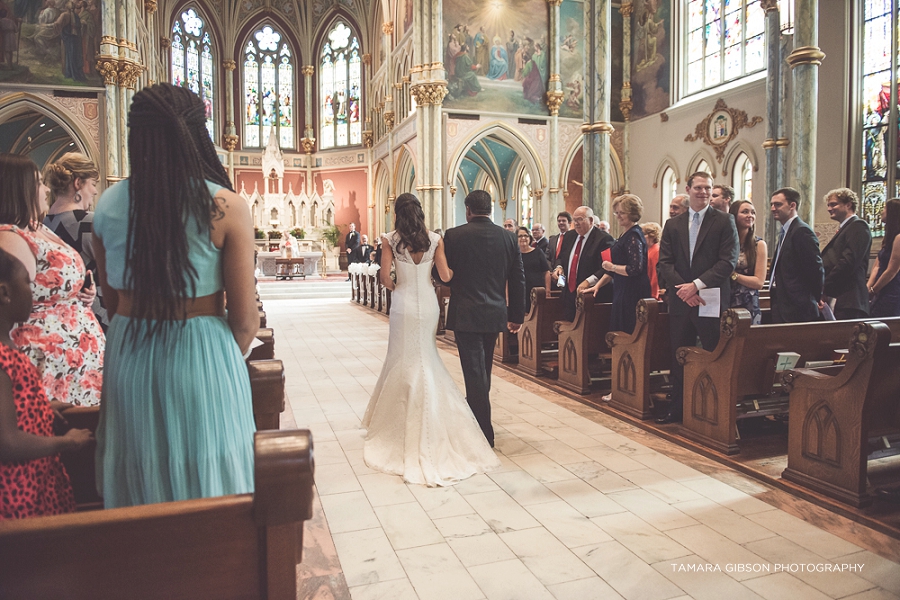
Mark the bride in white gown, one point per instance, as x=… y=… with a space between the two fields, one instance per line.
x=419 y=424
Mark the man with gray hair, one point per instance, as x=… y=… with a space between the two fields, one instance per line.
x=579 y=261
x=679 y=205
x=846 y=257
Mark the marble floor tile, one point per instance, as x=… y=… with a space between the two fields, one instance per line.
x=351 y=439
x=462 y=526
x=358 y=462
x=652 y=510
x=548 y=559
x=501 y=512
x=335 y=479
x=329 y=453
x=367 y=557
x=542 y=468
x=382 y=489
x=528 y=432
x=600 y=478
x=572 y=437
x=437 y=574
x=440 y=502
x=876 y=569
x=592 y=588
x=509 y=580
x=803 y=534
x=667 y=490
x=783 y=586
x=571 y=527
x=584 y=498
x=407 y=525
x=477 y=484
x=523 y=488
x=645 y=541
x=584 y=425
x=612 y=459
x=688 y=573
x=716 y=549
x=626 y=573
x=622 y=444
x=480 y=549
x=348 y=512
x=509 y=445
x=873 y=594
x=560 y=452
x=727 y=496
x=539 y=419
x=397 y=589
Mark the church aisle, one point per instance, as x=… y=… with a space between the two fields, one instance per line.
x=584 y=506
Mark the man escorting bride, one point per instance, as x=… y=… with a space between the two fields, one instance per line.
x=419 y=425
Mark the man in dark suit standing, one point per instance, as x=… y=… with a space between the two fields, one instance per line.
x=846 y=257
x=797 y=276
x=363 y=252
x=579 y=260
x=351 y=243
x=698 y=251
x=487 y=270
x=554 y=246
x=540 y=240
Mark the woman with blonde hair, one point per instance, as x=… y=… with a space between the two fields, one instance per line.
x=653 y=233
x=73 y=186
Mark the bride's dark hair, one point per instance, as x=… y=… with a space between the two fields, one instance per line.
x=409 y=220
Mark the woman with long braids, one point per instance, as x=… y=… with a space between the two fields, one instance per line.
x=171 y=241
x=62 y=337
x=419 y=424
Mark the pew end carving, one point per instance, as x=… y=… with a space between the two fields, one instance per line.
x=537 y=332
x=635 y=356
x=267 y=388
x=581 y=341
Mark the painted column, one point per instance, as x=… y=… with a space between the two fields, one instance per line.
x=552 y=206
x=308 y=141
x=805 y=60
x=597 y=128
x=773 y=108
x=229 y=137
x=625 y=105
x=784 y=81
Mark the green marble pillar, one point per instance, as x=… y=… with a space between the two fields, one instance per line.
x=625 y=105
x=597 y=129
x=547 y=211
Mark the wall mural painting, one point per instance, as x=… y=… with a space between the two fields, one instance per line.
x=571 y=58
x=50 y=42
x=496 y=55
x=650 y=57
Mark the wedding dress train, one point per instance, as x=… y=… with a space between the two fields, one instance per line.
x=419 y=424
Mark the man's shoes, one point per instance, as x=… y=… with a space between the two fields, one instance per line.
x=891 y=495
x=669 y=417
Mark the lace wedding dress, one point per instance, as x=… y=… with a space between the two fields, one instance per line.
x=419 y=424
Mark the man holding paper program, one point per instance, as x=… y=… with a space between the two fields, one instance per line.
x=697 y=255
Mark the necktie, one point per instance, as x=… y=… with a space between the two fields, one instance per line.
x=558 y=246
x=695 y=229
x=573 y=268
x=775 y=262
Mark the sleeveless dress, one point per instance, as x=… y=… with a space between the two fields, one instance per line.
x=419 y=424
x=177 y=419
x=62 y=337
x=38 y=487
x=742 y=296
x=887 y=302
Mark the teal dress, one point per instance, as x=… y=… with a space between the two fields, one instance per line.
x=176 y=416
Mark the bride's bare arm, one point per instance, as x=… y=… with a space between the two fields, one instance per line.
x=440 y=261
x=387 y=260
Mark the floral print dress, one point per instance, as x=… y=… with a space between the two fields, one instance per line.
x=62 y=337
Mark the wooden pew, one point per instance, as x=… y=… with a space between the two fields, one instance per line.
x=373 y=285
x=582 y=340
x=267 y=350
x=737 y=379
x=506 y=350
x=230 y=547
x=262 y=319
x=537 y=331
x=835 y=418
x=267 y=388
x=636 y=356
x=363 y=289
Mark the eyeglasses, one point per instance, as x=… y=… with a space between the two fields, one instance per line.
x=580 y=219
x=523 y=237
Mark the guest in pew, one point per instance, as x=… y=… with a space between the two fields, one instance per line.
x=177 y=418
x=33 y=481
x=73 y=186
x=554 y=247
x=537 y=269
x=627 y=267
x=846 y=257
x=884 y=283
x=698 y=250
x=61 y=337
x=580 y=259
x=679 y=205
x=540 y=240
x=750 y=272
x=363 y=252
x=652 y=232
x=721 y=198
x=797 y=275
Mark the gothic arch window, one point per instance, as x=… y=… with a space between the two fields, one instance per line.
x=879 y=147
x=526 y=201
x=340 y=86
x=669 y=190
x=268 y=89
x=193 y=60
x=742 y=178
x=725 y=41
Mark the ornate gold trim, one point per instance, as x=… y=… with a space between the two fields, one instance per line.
x=367 y=138
x=308 y=144
x=398 y=85
x=388 y=28
x=229 y=65
x=307 y=70
x=739 y=120
x=554 y=2
x=129 y=72
x=805 y=55
x=626 y=9
x=769 y=5
x=108 y=39
x=164 y=42
x=602 y=127
x=108 y=67
x=554 y=77
x=782 y=142
x=626 y=105
x=585 y=128
x=367 y=59
x=554 y=101
x=230 y=142
x=769 y=143
x=388 y=119
x=150 y=6
x=429 y=93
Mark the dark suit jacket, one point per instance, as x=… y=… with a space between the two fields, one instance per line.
x=589 y=263
x=551 y=249
x=487 y=265
x=846 y=260
x=542 y=245
x=352 y=240
x=361 y=253
x=799 y=276
x=715 y=255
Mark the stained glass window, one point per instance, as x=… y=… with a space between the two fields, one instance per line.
x=879 y=147
x=526 y=199
x=725 y=41
x=669 y=191
x=340 y=84
x=742 y=178
x=193 y=60
x=268 y=89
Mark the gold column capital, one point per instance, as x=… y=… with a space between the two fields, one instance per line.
x=387 y=28
x=388 y=117
x=429 y=93
x=230 y=142
x=129 y=71
x=165 y=42
x=368 y=138
x=150 y=6
x=769 y=5
x=308 y=144
x=806 y=55
x=554 y=101
x=108 y=67
x=625 y=106
x=307 y=70
x=626 y=9
x=229 y=64
x=367 y=59
x=554 y=2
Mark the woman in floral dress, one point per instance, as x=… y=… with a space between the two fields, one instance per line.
x=62 y=338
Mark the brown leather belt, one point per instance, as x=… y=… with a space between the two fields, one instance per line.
x=204 y=306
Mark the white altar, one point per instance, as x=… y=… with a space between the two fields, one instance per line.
x=265 y=261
